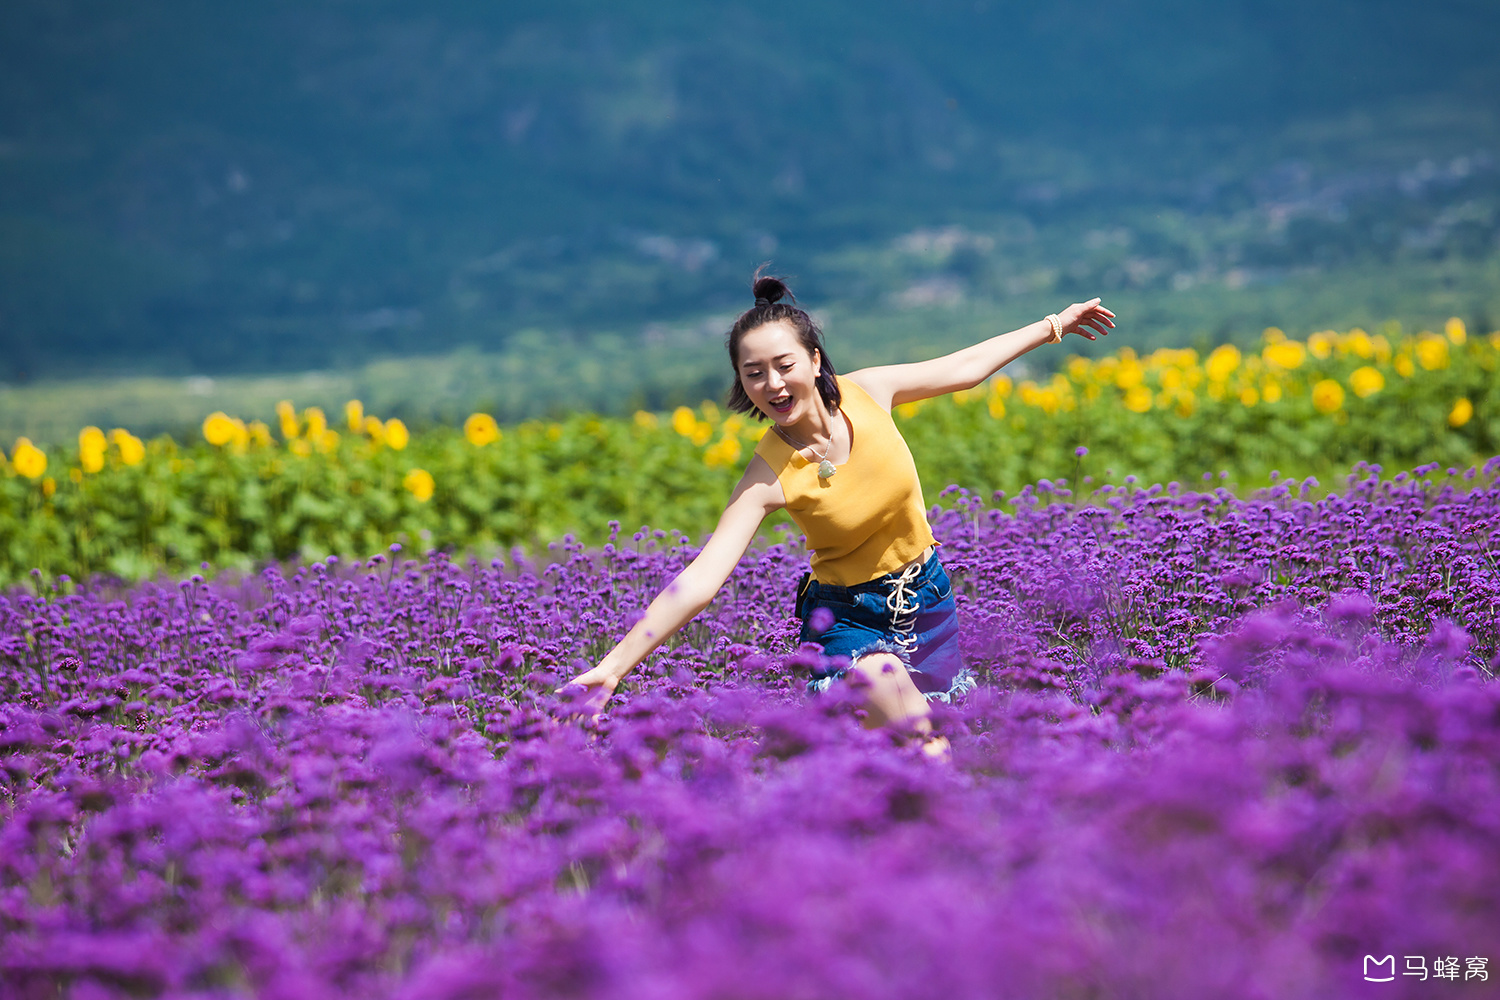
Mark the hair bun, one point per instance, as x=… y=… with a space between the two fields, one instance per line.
x=769 y=289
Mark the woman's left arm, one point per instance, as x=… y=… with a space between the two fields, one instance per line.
x=891 y=385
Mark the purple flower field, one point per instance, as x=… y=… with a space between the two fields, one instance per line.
x=1222 y=748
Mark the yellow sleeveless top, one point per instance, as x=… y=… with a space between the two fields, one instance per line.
x=868 y=518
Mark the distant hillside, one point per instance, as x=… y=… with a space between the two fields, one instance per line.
x=216 y=188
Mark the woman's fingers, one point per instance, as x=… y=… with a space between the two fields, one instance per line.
x=1092 y=305
x=1083 y=317
x=580 y=699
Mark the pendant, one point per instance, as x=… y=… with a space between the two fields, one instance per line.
x=826 y=469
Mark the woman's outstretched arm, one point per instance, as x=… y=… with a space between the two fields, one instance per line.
x=890 y=385
x=757 y=495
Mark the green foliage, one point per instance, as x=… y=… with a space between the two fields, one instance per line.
x=181 y=506
x=958 y=440
x=245 y=504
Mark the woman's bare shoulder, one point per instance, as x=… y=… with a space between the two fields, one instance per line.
x=869 y=381
x=760 y=485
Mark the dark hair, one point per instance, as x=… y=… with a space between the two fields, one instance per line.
x=768 y=308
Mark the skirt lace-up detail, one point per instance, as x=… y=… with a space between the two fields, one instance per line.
x=908 y=613
x=901 y=602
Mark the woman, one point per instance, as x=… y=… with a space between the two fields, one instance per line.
x=877 y=598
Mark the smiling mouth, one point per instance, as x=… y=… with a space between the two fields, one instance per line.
x=780 y=405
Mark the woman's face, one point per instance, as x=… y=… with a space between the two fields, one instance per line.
x=778 y=374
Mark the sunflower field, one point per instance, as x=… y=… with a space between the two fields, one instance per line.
x=307 y=485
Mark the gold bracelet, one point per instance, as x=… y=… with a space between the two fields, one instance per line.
x=1056 y=324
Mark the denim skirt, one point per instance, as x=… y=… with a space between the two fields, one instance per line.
x=909 y=613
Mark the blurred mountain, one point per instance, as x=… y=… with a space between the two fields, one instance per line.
x=212 y=188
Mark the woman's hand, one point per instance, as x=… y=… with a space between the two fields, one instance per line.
x=1081 y=317
x=589 y=691
x=757 y=495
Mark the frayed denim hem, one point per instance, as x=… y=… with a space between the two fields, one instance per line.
x=821 y=683
x=897 y=650
x=963 y=682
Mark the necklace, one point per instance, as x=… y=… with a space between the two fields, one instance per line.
x=826 y=469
